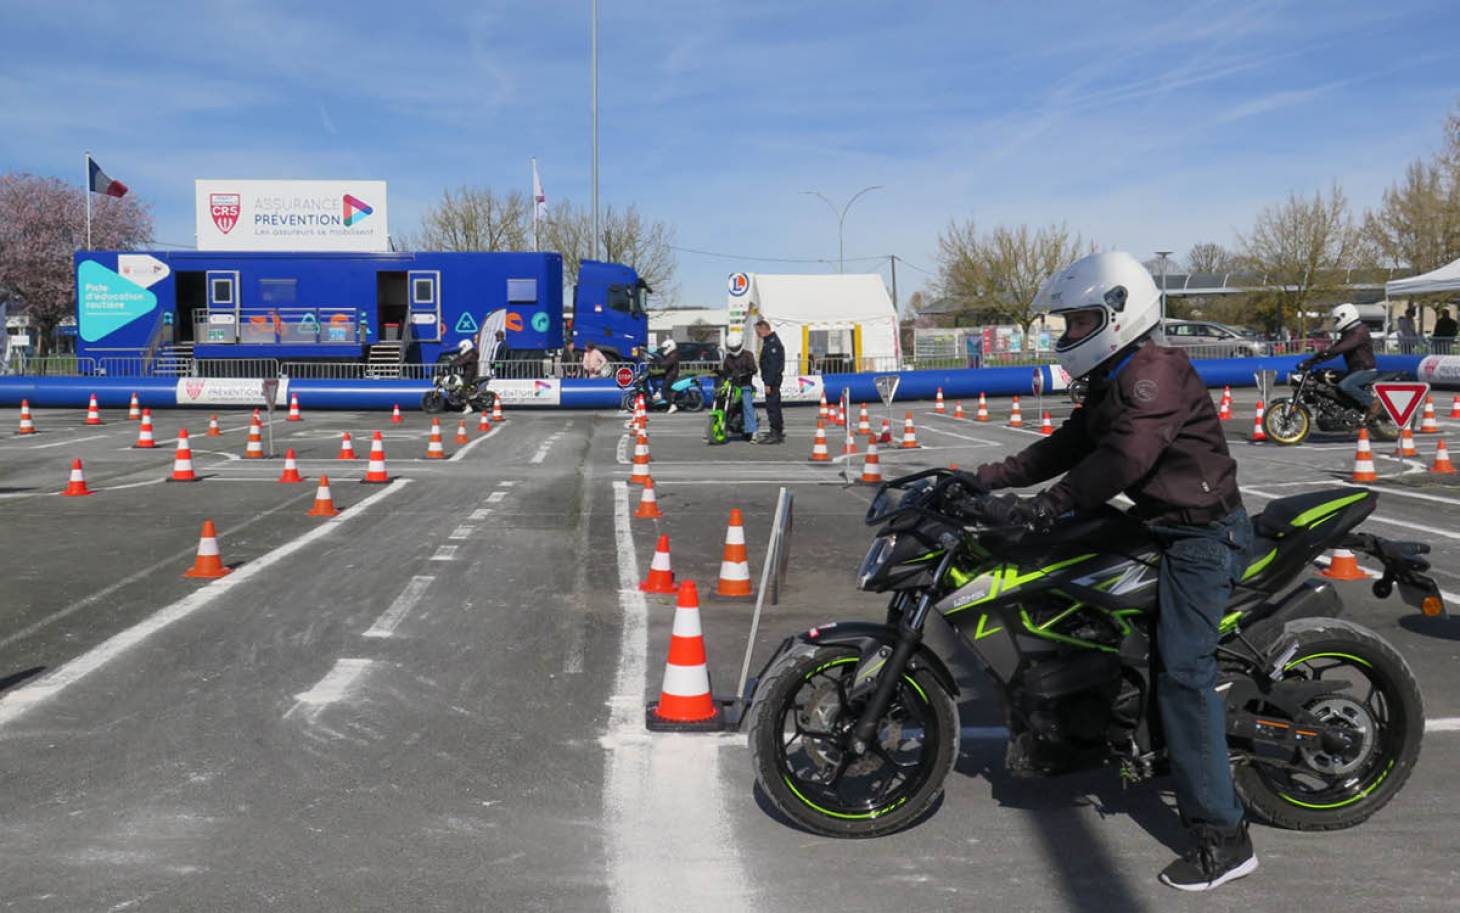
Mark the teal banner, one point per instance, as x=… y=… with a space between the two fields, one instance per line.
x=108 y=301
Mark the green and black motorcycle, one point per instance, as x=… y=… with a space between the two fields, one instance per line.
x=854 y=725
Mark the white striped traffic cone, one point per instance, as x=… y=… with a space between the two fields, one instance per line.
x=685 y=701
x=182 y=460
x=144 y=432
x=983 y=409
x=291 y=469
x=1046 y=424
x=1405 y=447
x=648 y=503
x=213 y=429
x=134 y=411
x=1016 y=418
x=661 y=571
x=93 y=414
x=909 y=433
x=1429 y=425
x=294 y=415
x=872 y=467
x=375 y=473
x=435 y=447
x=819 y=453
x=1259 y=434
x=27 y=426
x=255 y=448
x=735 y=562
x=938 y=406
x=1364 y=460
x=324 y=501
x=347 y=448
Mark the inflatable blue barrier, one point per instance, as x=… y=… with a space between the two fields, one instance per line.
x=602 y=393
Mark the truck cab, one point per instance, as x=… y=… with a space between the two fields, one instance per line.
x=610 y=310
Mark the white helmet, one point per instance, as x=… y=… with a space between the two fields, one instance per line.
x=464 y=346
x=669 y=346
x=1116 y=285
x=734 y=342
x=1344 y=316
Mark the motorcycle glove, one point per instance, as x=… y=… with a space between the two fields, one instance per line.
x=1035 y=514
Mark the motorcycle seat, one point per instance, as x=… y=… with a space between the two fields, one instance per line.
x=1282 y=516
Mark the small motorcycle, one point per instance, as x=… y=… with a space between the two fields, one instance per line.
x=686 y=393
x=1317 y=400
x=727 y=415
x=450 y=391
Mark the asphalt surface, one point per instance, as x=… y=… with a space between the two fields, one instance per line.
x=435 y=700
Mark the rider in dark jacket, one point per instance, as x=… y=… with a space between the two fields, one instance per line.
x=1357 y=349
x=1148 y=429
x=772 y=370
x=466 y=362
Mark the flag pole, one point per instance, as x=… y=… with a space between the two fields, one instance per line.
x=532 y=195
x=86 y=189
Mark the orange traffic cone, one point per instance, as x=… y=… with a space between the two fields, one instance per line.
x=375 y=471
x=641 y=448
x=1224 y=411
x=1405 y=448
x=435 y=447
x=1046 y=425
x=685 y=701
x=1442 y=463
x=849 y=445
x=255 y=448
x=1343 y=565
x=294 y=415
x=347 y=447
x=639 y=475
x=182 y=460
x=983 y=409
x=77 y=486
x=395 y=418
x=213 y=429
x=291 y=469
x=938 y=406
x=324 y=502
x=735 y=564
x=648 y=503
x=497 y=410
x=872 y=467
x=819 y=453
x=1016 y=418
x=93 y=414
x=661 y=575
x=1259 y=434
x=484 y=425
x=208 y=564
x=1429 y=425
x=134 y=411
x=144 y=432
x=886 y=436
x=958 y=410
x=27 y=426
x=1455 y=406
x=821 y=411
x=864 y=424
x=909 y=433
x=461 y=437
x=1364 y=460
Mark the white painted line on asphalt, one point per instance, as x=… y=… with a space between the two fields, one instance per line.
x=480 y=513
x=665 y=790
x=507 y=483
x=621 y=452
x=496 y=497
x=1373 y=518
x=445 y=553
x=462 y=532
x=723 y=482
x=466 y=448
x=542 y=453
x=1443 y=724
x=17 y=702
x=74 y=440
x=385 y=625
x=333 y=687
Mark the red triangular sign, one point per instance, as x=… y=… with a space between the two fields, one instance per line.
x=1401 y=400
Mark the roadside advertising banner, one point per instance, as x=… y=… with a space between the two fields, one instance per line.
x=291 y=215
x=528 y=391
x=227 y=391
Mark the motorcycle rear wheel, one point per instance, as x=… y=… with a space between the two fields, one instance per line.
x=1287 y=423
x=433 y=402
x=802 y=769
x=1339 y=791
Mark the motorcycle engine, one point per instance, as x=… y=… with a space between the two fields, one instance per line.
x=1068 y=697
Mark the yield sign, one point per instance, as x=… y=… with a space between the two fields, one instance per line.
x=1401 y=400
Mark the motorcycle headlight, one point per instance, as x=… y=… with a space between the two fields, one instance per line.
x=878 y=554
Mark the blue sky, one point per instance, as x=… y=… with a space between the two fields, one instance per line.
x=1141 y=125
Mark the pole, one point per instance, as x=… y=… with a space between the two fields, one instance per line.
x=1163 y=254
x=595 y=131
x=86 y=189
x=532 y=195
x=893 y=258
x=841 y=219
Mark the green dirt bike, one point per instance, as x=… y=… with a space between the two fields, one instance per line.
x=727 y=416
x=854 y=725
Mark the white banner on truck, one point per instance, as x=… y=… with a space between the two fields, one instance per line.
x=524 y=392
x=795 y=388
x=227 y=391
x=291 y=215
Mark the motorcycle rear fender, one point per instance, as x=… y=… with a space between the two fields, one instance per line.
x=1311 y=599
x=864 y=637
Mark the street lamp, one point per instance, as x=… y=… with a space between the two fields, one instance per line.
x=1163 y=254
x=841 y=219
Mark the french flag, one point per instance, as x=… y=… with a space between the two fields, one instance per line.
x=101 y=183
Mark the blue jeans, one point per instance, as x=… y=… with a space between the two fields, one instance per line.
x=1199 y=566
x=1354 y=383
x=747 y=404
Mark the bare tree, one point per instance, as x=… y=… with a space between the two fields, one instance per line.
x=42 y=224
x=1209 y=257
x=1299 y=247
x=627 y=237
x=996 y=276
x=475 y=219
x=1418 y=224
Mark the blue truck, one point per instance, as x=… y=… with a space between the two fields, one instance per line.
x=371 y=308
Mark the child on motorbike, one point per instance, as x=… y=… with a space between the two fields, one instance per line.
x=1148 y=430
x=739 y=366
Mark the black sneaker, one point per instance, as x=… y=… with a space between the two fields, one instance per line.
x=1221 y=854
x=747 y=437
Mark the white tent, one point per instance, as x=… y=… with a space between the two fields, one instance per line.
x=1444 y=279
x=835 y=323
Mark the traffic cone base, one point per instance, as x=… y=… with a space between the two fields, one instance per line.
x=324 y=502
x=685 y=700
x=208 y=564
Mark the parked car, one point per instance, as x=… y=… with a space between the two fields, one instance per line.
x=1215 y=340
x=699 y=352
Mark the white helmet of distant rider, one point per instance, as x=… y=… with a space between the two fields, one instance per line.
x=734 y=343
x=464 y=346
x=1344 y=316
x=1108 y=301
x=668 y=348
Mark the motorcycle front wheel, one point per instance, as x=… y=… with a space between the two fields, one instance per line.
x=433 y=402
x=796 y=746
x=1286 y=422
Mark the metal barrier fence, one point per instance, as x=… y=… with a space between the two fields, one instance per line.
x=51 y=365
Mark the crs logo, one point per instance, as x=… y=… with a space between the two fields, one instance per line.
x=225 y=209
x=739 y=284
